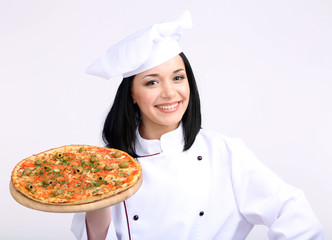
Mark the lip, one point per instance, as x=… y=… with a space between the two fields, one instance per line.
x=168 y=107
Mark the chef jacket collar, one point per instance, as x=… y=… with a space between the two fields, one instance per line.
x=171 y=142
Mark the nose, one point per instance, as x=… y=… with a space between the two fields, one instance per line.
x=168 y=89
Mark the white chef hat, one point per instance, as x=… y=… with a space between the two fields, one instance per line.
x=143 y=50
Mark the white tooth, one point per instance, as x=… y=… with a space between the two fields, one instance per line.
x=168 y=107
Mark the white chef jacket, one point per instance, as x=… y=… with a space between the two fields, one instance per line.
x=215 y=190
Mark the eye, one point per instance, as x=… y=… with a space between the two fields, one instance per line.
x=151 y=83
x=177 y=78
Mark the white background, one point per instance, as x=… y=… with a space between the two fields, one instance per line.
x=264 y=69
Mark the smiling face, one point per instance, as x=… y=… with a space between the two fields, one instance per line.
x=162 y=95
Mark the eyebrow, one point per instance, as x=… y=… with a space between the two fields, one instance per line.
x=156 y=74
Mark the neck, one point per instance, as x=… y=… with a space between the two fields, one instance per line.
x=154 y=132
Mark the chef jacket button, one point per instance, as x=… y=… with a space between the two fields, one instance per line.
x=136 y=217
x=199 y=158
x=201 y=213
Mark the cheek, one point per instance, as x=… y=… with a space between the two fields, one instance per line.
x=185 y=92
x=143 y=99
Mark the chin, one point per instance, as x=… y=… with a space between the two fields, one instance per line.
x=171 y=124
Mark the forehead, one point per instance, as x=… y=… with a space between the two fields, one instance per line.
x=170 y=66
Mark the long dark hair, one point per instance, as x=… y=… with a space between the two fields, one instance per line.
x=124 y=117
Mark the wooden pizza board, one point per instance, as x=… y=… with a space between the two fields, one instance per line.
x=27 y=202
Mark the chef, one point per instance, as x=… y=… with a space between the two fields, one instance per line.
x=197 y=184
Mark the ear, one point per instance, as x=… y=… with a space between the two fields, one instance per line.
x=134 y=101
x=132 y=94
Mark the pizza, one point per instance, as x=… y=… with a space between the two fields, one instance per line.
x=75 y=174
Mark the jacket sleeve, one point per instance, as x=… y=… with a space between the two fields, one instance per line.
x=263 y=198
x=78 y=227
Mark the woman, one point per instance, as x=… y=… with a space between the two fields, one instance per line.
x=197 y=184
